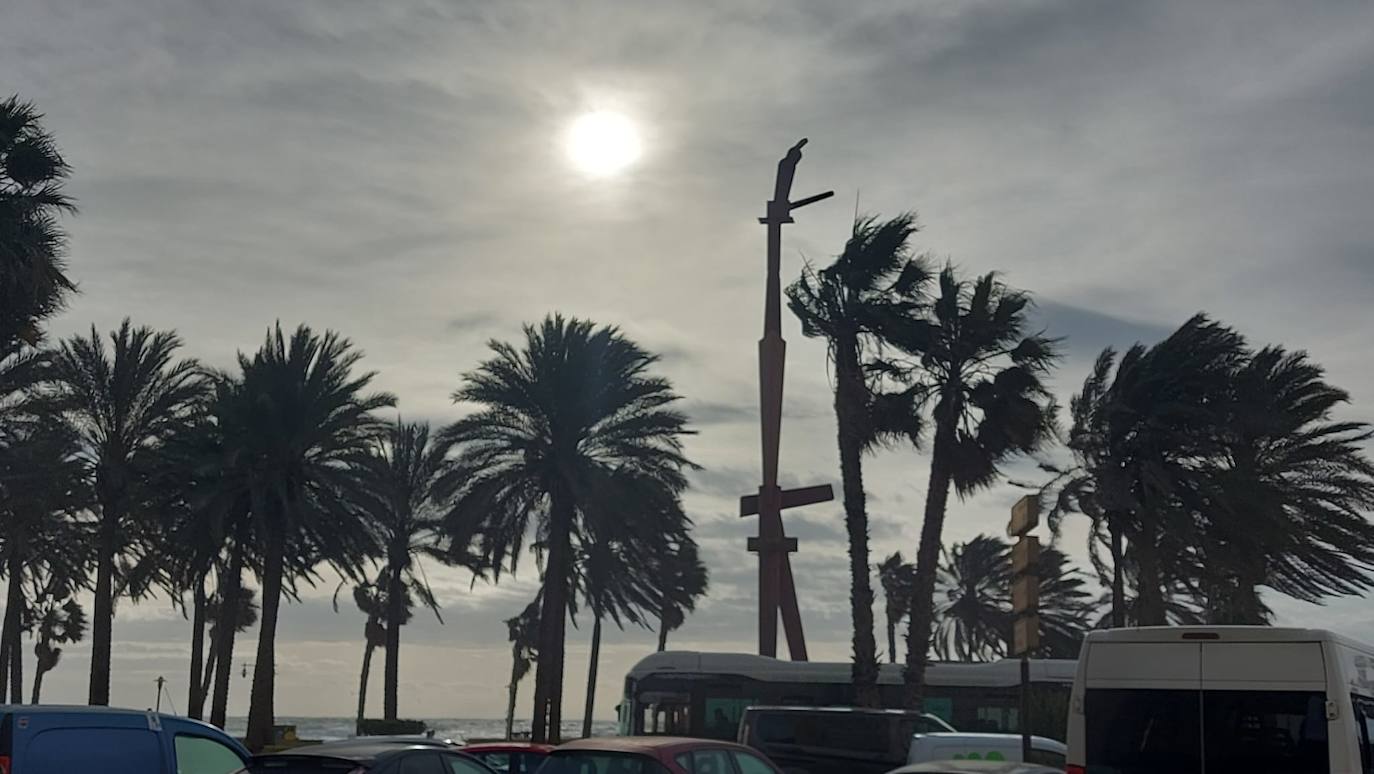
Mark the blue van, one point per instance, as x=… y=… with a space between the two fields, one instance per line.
x=43 y=739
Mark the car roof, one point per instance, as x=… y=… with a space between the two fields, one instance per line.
x=974 y=767
x=535 y=747
x=643 y=744
x=843 y=710
x=358 y=751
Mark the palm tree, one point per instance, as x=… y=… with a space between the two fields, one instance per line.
x=309 y=417
x=975 y=616
x=124 y=403
x=57 y=624
x=684 y=580
x=896 y=577
x=371 y=600
x=33 y=282
x=523 y=631
x=872 y=286
x=565 y=425
x=230 y=612
x=1287 y=494
x=399 y=472
x=981 y=372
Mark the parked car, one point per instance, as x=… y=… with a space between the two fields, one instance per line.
x=510 y=757
x=834 y=740
x=985 y=747
x=51 y=739
x=363 y=756
x=976 y=767
x=655 y=755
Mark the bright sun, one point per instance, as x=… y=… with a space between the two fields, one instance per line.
x=603 y=143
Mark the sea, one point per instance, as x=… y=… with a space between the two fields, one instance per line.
x=458 y=729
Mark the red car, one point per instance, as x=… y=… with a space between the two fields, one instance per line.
x=655 y=755
x=510 y=757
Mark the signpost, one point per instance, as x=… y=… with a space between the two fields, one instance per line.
x=1025 y=601
x=777 y=592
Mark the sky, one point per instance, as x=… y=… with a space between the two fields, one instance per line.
x=397 y=172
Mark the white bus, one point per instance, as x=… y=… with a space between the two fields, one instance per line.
x=687 y=693
x=1216 y=700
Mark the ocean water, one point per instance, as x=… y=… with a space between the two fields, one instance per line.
x=453 y=728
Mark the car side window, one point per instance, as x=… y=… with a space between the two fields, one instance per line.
x=685 y=761
x=711 y=762
x=751 y=764
x=499 y=761
x=457 y=764
x=199 y=755
x=421 y=763
x=1050 y=758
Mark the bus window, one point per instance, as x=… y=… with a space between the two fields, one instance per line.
x=668 y=718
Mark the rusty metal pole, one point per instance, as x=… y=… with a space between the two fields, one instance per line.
x=776 y=590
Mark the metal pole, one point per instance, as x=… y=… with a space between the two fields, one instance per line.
x=1025 y=709
x=158 y=703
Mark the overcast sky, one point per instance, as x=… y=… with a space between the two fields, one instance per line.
x=396 y=171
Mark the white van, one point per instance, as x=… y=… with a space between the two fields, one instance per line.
x=1222 y=699
x=955 y=746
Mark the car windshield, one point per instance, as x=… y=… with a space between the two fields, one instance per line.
x=592 y=762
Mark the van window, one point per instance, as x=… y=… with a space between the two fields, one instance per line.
x=829 y=730
x=1252 y=732
x=1143 y=732
x=198 y=755
x=1364 y=716
x=1055 y=760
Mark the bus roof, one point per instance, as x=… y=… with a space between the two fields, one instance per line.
x=996 y=673
x=1225 y=634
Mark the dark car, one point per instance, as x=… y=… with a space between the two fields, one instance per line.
x=834 y=740
x=359 y=756
x=655 y=755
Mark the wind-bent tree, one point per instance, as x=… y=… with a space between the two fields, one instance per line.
x=309 y=416
x=897 y=579
x=399 y=474
x=58 y=621
x=980 y=371
x=873 y=286
x=232 y=611
x=33 y=280
x=124 y=402
x=1288 y=492
x=371 y=600
x=975 y=615
x=685 y=580
x=564 y=425
x=523 y=631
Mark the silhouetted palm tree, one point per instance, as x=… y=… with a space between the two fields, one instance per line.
x=33 y=280
x=59 y=621
x=399 y=473
x=310 y=415
x=981 y=373
x=685 y=580
x=523 y=631
x=371 y=600
x=124 y=403
x=1287 y=494
x=873 y=285
x=233 y=610
x=565 y=424
x=897 y=579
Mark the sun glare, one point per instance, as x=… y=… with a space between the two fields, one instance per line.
x=603 y=143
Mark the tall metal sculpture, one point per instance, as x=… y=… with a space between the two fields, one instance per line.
x=777 y=593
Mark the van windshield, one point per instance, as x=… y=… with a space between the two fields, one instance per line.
x=1246 y=732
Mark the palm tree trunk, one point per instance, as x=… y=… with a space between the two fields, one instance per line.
x=227 y=625
x=9 y=635
x=195 y=701
x=38 y=673
x=395 y=610
x=891 y=640
x=922 y=608
x=362 y=686
x=591 y=679
x=548 y=678
x=261 y=710
x=511 y=694
x=102 y=624
x=849 y=408
x=1118 y=573
x=662 y=634
x=1150 y=603
x=208 y=678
